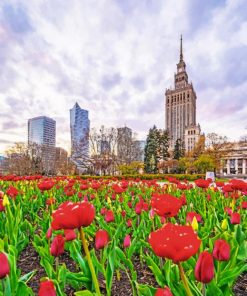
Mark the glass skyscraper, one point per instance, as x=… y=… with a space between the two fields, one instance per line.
x=42 y=136
x=42 y=131
x=79 y=129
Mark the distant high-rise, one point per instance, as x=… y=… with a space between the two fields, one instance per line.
x=42 y=135
x=124 y=144
x=79 y=129
x=181 y=108
x=42 y=130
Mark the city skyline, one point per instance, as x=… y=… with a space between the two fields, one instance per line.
x=117 y=63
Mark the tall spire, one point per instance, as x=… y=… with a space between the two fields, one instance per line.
x=181 y=49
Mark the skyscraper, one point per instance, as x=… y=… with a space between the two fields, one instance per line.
x=79 y=129
x=42 y=136
x=124 y=144
x=181 y=108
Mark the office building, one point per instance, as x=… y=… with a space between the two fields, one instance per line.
x=42 y=137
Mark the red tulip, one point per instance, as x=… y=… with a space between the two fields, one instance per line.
x=219 y=183
x=45 y=185
x=163 y=292
x=12 y=192
x=227 y=188
x=238 y=184
x=117 y=189
x=83 y=187
x=127 y=241
x=130 y=204
x=165 y=205
x=57 y=246
x=228 y=211
x=49 y=233
x=80 y=195
x=2 y=207
x=123 y=213
x=103 y=211
x=4 y=265
x=129 y=223
x=244 y=205
x=191 y=215
x=183 y=199
x=50 y=201
x=101 y=239
x=69 y=234
x=204 y=270
x=221 y=250
x=202 y=183
x=182 y=186
x=109 y=216
x=71 y=215
x=174 y=242
x=47 y=289
x=138 y=208
x=235 y=218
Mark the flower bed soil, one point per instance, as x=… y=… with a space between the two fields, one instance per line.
x=29 y=260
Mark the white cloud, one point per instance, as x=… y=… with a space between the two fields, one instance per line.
x=116 y=58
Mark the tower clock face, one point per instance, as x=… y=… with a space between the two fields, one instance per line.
x=180 y=70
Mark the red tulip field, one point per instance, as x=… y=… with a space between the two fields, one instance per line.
x=74 y=236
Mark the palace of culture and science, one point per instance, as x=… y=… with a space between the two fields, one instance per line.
x=181 y=109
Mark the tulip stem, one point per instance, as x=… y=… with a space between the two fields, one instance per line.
x=218 y=272
x=57 y=265
x=203 y=289
x=85 y=247
x=184 y=280
x=2 y=281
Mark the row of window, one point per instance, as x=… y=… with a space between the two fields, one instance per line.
x=192 y=132
x=178 y=98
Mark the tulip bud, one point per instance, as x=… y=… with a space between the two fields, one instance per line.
x=109 y=216
x=221 y=250
x=123 y=213
x=163 y=292
x=5 y=200
x=57 y=246
x=2 y=208
x=194 y=224
x=152 y=213
x=101 y=239
x=127 y=241
x=47 y=288
x=224 y=224
x=235 y=218
x=49 y=233
x=244 y=205
x=4 y=265
x=69 y=234
x=129 y=223
x=204 y=270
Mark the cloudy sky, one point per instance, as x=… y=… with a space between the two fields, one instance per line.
x=116 y=58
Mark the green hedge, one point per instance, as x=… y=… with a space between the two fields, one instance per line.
x=149 y=177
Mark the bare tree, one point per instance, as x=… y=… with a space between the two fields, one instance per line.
x=18 y=159
x=243 y=138
x=103 y=150
x=216 y=147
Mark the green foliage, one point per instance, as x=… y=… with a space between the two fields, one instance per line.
x=204 y=163
x=156 y=149
x=28 y=217
x=131 y=169
x=178 y=149
x=186 y=164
